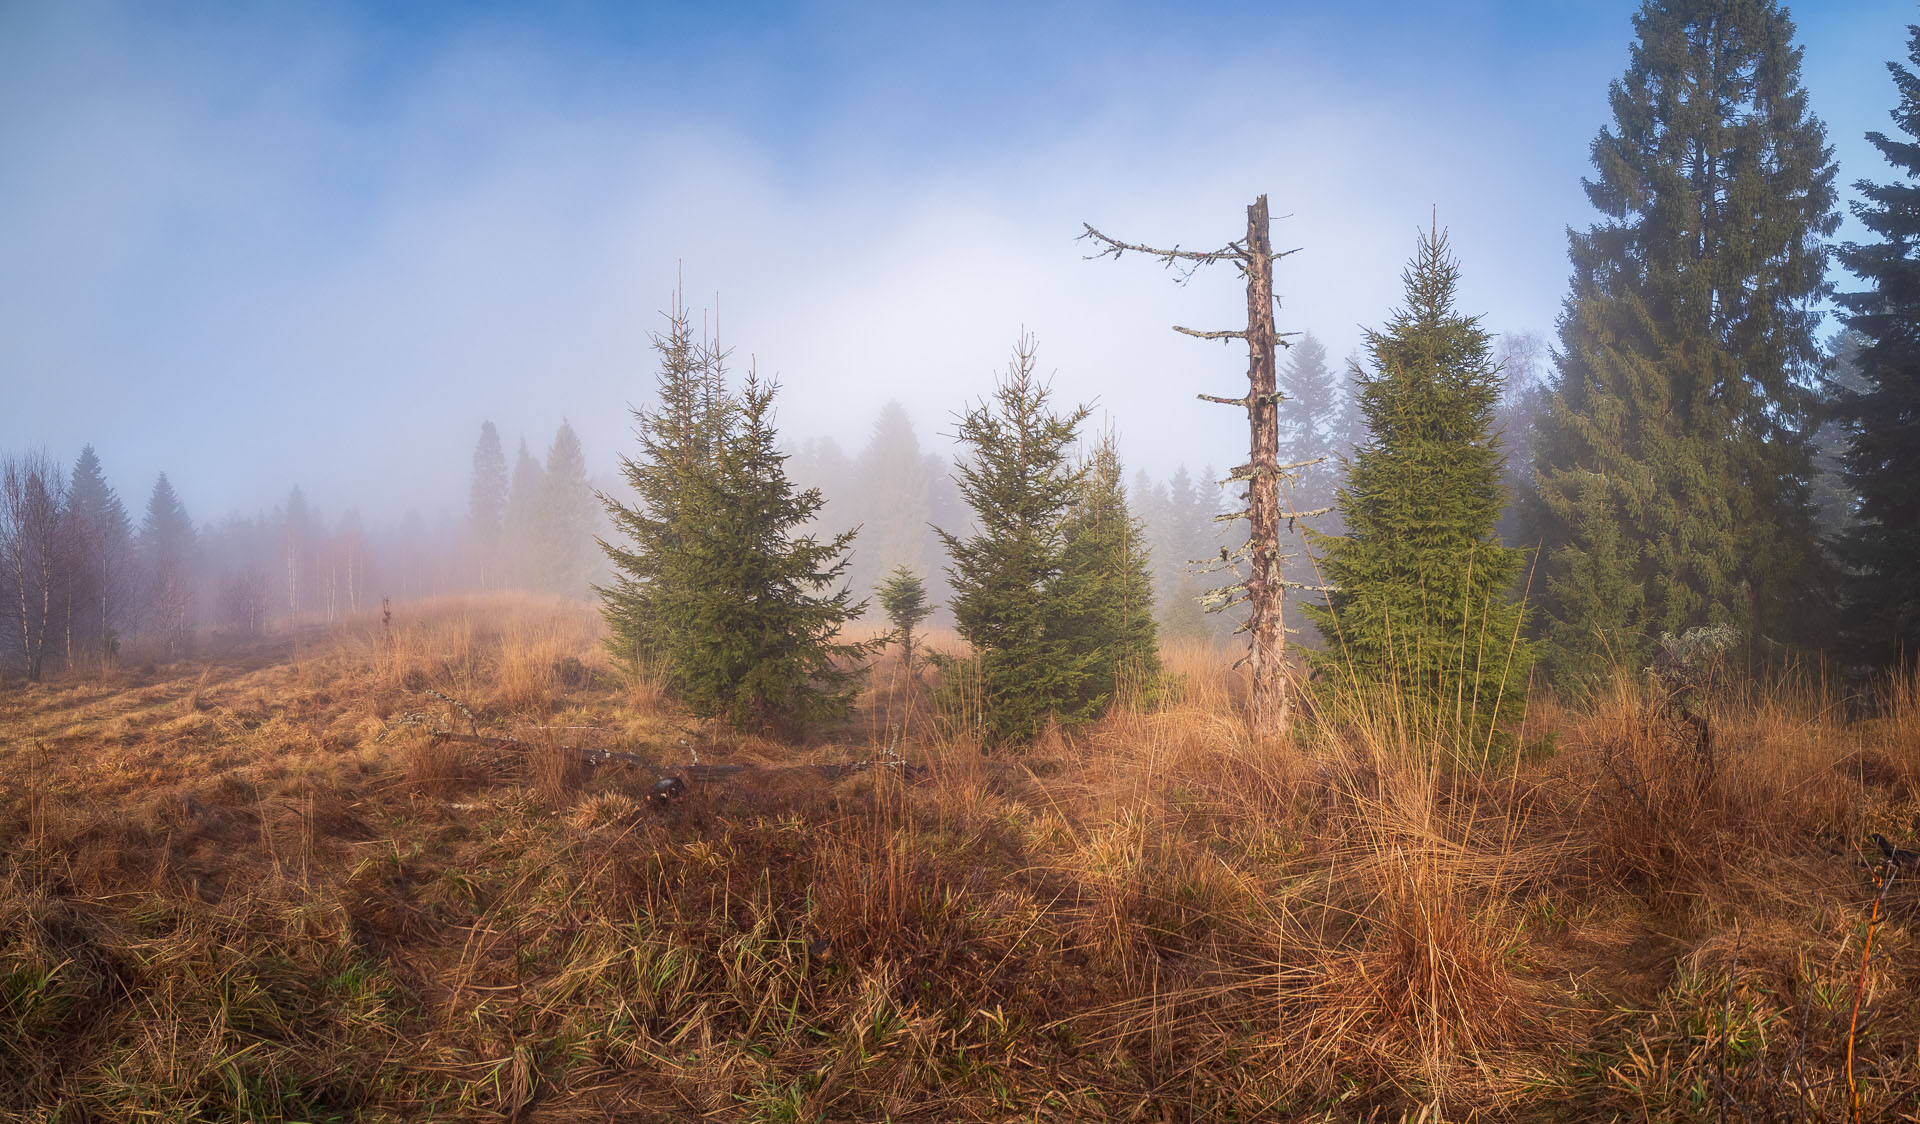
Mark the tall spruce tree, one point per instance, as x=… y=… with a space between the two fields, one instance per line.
x=1882 y=550
x=679 y=440
x=298 y=528
x=520 y=528
x=1107 y=559
x=487 y=505
x=1311 y=427
x=894 y=503
x=1673 y=465
x=1008 y=602
x=1522 y=358
x=1179 y=530
x=167 y=551
x=1421 y=601
x=102 y=541
x=715 y=584
x=1836 y=504
x=567 y=518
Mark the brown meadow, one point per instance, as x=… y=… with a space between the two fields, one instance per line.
x=253 y=886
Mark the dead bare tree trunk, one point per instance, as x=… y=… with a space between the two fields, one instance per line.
x=1263 y=590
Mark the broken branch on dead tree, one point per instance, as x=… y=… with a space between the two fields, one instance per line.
x=1244 y=472
x=1114 y=248
x=1247 y=402
x=1200 y=335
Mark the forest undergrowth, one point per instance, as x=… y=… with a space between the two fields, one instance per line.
x=253 y=885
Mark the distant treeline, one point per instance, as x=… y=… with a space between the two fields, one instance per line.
x=84 y=581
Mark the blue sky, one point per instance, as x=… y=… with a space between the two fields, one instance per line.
x=255 y=245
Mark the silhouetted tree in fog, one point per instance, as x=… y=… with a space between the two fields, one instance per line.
x=1311 y=427
x=1522 y=359
x=487 y=505
x=296 y=535
x=167 y=556
x=1836 y=504
x=240 y=601
x=521 y=527
x=345 y=566
x=566 y=550
x=893 y=507
x=1183 y=541
x=32 y=516
x=240 y=555
x=100 y=538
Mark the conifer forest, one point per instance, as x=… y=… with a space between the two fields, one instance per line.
x=1006 y=563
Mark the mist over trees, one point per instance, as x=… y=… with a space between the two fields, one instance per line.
x=487 y=508
x=1322 y=422
x=87 y=585
x=1686 y=451
x=97 y=584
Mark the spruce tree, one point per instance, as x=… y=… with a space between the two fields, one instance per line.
x=903 y=597
x=520 y=528
x=678 y=448
x=487 y=504
x=296 y=552
x=1882 y=550
x=1107 y=559
x=679 y=441
x=1835 y=502
x=715 y=584
x=1421 y=601
x=167 y=549
x=1522 y=360
x=1673 y=464
x=1311 y=426
x=567 y=519
x=893 y=503
x=1009 y=603
x=101 y=538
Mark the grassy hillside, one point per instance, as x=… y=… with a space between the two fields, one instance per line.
x=248 y=887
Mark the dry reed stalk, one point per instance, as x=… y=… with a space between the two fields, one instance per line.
x=1860 y=987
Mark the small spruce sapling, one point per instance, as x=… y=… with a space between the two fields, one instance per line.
x=904 y=598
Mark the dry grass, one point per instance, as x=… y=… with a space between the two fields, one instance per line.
x=251 y=887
